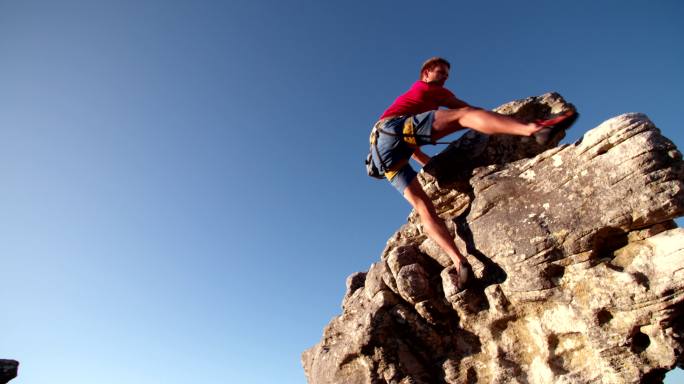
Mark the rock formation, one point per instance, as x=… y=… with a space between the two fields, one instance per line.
x=578 y=267
x=8 y=370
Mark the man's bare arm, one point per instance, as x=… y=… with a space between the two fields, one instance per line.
x=455 y=103
x=420 y=157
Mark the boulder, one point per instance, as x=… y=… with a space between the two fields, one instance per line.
x=578 y=266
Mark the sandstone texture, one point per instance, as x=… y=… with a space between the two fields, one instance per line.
x=8 y=370
x=578 y=267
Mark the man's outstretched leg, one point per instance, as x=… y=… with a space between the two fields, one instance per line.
x=448 y=121
x=435 y=227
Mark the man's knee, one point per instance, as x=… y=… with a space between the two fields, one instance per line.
x=457 y=113
x=414 y=192
x=451 y=119
x=420 y=201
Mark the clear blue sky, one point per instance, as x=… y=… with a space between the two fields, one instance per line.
x=183 y=193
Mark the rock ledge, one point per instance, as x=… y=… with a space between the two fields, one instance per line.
x=578 y=267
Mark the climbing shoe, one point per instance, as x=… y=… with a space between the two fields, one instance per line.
x=463 y=273
x=554 y=125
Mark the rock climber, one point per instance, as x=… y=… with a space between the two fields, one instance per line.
x=414 y=119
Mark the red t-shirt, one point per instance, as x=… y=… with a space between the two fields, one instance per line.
x=421 y=97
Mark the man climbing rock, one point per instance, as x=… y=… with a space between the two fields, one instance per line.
x=414 y=119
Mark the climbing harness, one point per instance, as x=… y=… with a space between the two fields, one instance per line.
x=407 y=135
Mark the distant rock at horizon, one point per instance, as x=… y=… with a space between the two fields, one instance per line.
x=8 y=370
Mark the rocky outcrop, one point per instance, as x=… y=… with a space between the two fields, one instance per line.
x=8 y=370
x=578 y=267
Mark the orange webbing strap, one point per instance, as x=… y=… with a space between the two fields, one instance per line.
x=390 y=173
x=408 y=133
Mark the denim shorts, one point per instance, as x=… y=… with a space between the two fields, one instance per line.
x=398 y=138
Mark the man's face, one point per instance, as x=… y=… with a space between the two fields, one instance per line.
x=437 y=75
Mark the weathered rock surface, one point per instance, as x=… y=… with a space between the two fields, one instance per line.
x=8 y=370
x=578 y=267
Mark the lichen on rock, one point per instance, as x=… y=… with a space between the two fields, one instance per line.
x=578 y=266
